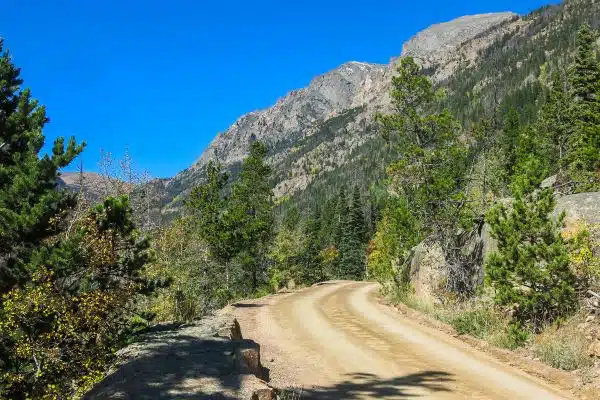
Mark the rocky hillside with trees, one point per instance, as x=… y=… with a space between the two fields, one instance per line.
x=471 y=232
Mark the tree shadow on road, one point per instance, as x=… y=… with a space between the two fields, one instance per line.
x=177 y=367
x=361 y=385
x=248 y=305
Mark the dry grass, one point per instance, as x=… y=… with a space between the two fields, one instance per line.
x=563 y=346
x=477 y=318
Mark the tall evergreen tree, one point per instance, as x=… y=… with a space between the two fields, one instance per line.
x=329 y=222
x=352 y=247
x=314 y=271
x=431 y=169
x=554 y=122
x=510 y=139
x=341 y=217
x=29 y=200
x=531 y=162
x=585 y=75
x=67 y=282
x=583 y=155
x=357 y=217
x=207 y=207
x=252 y=212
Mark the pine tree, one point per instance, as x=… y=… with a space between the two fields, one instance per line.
x=68 y=282
x=430 y=173
x=329 y=220
x=531 y=267
x=532 y=164
x=357 y=217
x=252 y=212
x=510 y=139
x=30 y=204
x=585 y=75
x=314 y=270
x=583 y=155
x=341 y=217
x=554 y=123
x=207 y=207
x=352 y=246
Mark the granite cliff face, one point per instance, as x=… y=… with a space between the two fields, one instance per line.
x=435 y=45
x=293 y=117
x=448 y=46
x=348 y=86
x=321 y=128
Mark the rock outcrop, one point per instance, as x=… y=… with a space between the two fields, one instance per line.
x=434 y=43
x=208 y=359
x=579 y=208
x=428 y=267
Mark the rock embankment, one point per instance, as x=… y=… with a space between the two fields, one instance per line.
x=428 y=267
x=208 y=359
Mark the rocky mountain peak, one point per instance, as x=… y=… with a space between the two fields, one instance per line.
x=435 y=43
x=345 y=87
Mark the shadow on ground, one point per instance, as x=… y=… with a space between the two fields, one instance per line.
x=176 y=367
x=248 y=305
x=360 y=386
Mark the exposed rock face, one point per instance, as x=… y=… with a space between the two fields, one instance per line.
x=436 y=43
x=428 y=269
x=582 y=207
x=293 y=117
x=348 y=86
x=430 y=272
x=205 y=360
x=352 y=86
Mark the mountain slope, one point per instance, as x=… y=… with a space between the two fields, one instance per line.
x=324 y=135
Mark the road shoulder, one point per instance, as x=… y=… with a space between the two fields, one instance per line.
x=561 y=380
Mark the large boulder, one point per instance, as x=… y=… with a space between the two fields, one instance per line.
x=428 y=270
x=579 y=208
x=432 y=271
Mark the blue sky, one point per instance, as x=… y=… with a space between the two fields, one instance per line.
x=162 y=78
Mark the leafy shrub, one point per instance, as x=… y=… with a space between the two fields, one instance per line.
x=516 y=336
x=583 y=255
x=198 y=284
x=59 y=331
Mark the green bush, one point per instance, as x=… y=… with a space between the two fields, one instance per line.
x=479 y=322
x=530 y=272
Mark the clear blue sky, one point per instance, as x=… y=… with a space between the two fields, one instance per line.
x=164 y=77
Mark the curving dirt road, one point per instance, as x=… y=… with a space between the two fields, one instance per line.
x=335 y=341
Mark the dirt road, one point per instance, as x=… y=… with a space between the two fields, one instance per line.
x=335 y=341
